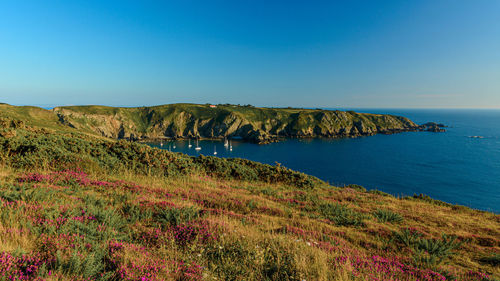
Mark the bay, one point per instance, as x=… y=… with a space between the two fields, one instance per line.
x=453 y=166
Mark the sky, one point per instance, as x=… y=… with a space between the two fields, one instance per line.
x=373 y=54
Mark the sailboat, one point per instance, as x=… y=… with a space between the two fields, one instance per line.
x=230 y=146
x=161 y=143
x=174 y=146
x=226 y=143
x=190 y=145
x=197 y=146
x=215 y=151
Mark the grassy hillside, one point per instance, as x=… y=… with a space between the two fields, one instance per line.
x=247 y=122
x=29 y=115
x=77 y=207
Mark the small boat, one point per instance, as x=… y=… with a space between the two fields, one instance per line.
x=215 y=151
x=161 y=143
x=190 y=145
x=477 y=137
x=226 y=143
x=197 y=146
x=174 y=146
x=230 y=147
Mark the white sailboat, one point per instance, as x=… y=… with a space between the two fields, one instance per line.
x=161 y=143
x=190 y=145
x=230 y=146
x=226 y=143
x=197 y=146
x=215 y=151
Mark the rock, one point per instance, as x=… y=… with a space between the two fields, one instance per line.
x=434 y=124
x=432 y=127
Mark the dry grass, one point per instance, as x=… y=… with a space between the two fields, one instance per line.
x=263 y=219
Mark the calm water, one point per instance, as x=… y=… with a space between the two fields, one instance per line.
x=448 y=166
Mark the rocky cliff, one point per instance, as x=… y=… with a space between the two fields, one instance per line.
x=246 y=122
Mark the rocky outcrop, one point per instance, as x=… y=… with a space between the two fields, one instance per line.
x=259 y=125
x=432 y=127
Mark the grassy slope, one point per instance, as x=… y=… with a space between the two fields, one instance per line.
x=31 y=115
x=141 y=212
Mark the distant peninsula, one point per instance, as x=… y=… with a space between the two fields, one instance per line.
x=249 y=123
x=206 y=121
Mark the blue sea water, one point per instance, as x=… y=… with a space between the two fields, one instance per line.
x=450 y=166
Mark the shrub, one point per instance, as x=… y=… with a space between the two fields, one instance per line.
x=250 y=171
x=431 y=252
x=387 y=216
x=428 y=251
x=40 y=149
x=341 y=215
x=407 y=237
x=88 y=266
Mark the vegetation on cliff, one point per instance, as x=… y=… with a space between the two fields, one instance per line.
x=247 y=122
x=74 y=206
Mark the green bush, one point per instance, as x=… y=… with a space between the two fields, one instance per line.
x=89 y=267
x=30 y=150
x=407 y=237
x=431 y=252
x=428 y=251
x=387 y=216
x=341 y=215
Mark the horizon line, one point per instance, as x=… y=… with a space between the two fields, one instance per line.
x=51 y=106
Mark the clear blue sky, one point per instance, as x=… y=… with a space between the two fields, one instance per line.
x=278 y=53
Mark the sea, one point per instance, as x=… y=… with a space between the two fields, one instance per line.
x=459 y=166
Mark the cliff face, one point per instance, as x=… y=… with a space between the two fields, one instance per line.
x=249 y=123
